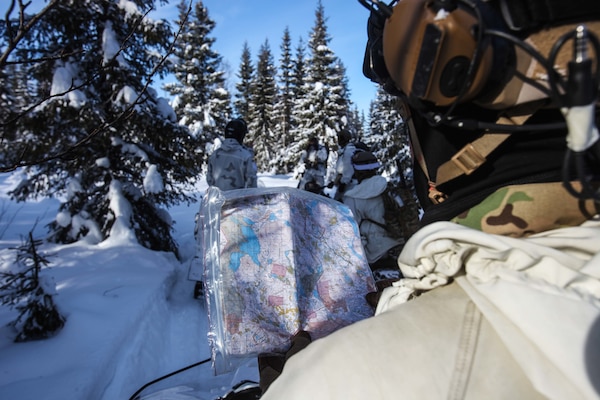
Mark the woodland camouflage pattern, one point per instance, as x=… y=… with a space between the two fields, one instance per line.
x=522 y=210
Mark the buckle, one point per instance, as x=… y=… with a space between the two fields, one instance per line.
x=435 y=195
x=468 y=159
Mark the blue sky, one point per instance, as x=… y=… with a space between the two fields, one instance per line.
x=255 y=21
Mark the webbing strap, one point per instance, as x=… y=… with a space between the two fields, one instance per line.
x=465 y=161
x=470 y=157
x=474 y=154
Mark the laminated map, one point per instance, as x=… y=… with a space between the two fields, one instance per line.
x=276 y=261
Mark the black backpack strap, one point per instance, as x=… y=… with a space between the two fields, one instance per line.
x=527 y=15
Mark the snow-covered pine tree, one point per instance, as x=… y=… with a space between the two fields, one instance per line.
x=9 y=109
x=356 y=120
x=324 y=108
x=244 y=86
x=104 y=140
x=201 y=100
x=283 y=105
x=15 y=84
x=261 y=118
x=390 y=142
x=389 y=139
x=299 y=73
x=25 y=288
x=299 y=90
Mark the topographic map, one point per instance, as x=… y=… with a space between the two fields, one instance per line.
x=281 y=260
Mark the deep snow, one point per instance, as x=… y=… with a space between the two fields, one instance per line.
x=131 y=315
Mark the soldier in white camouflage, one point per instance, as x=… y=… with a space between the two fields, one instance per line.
x=232 y=166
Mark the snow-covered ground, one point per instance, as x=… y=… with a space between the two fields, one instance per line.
x=131 y=315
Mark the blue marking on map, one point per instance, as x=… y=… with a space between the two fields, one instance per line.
x=277 y=216
x=249 y=245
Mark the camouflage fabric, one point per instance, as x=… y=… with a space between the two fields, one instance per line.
x=231 y=166
x=522 y=210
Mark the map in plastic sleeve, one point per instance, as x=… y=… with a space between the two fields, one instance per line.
x=276 y=261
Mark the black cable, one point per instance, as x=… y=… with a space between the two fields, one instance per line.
x=558 y=46
x=378 y=7
x=136 y=394
x=532 y=51
x=473 y=125
x=577 y=159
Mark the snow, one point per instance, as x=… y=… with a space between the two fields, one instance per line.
x=153 y=182
x=111 y=47
x=165 y=110
x=127 y=95
x=130 y=313
x=121 y=208
x=130 y=7
x=65 y=78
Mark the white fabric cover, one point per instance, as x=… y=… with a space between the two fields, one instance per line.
x=508 y=318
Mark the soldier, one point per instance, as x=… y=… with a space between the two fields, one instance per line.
x=232 y=165
x=313 y=164
x=343 y=167
x=368 y=207
x=498 y=298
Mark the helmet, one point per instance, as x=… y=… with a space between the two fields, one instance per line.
x=365 y=161
x=344 y=136
x=236 y=129
x=439 y=53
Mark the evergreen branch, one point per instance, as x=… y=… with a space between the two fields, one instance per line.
x=24 y=26
x=125 y=114
x=44 y=59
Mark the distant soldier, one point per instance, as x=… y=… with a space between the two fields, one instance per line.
x=232 y=165
x=344 y=179
x=313 y=163
x=368 y=207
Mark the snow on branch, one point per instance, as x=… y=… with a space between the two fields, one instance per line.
x=24 y=27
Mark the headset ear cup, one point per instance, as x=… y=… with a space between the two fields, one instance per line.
x=429 y=52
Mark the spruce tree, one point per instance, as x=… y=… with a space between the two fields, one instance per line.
x=324 y=108
x=389 y=140
x=244 y=87
x=291 y=153
x=30 y=291
x=299 y=74
x=101 y=137
x=261 y=123
x=356 y=120
x=283 y=105
x=201 y=100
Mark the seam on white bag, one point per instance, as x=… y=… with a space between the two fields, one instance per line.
x=467 y=346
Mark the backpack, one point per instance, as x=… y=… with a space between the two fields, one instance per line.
x=399 y=223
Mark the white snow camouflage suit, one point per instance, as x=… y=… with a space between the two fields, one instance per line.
x=231 y=166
